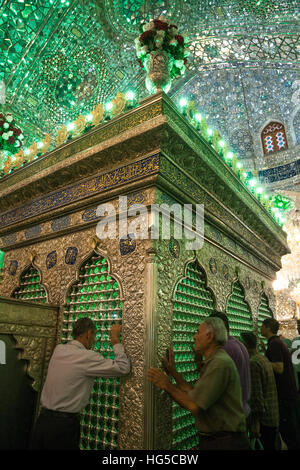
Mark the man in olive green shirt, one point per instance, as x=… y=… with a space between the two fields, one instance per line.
x=216 y=399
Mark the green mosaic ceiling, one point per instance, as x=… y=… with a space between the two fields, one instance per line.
x=59 y=58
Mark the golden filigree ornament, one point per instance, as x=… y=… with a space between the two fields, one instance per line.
x=7 y=166
x=19 y=158
x=119 y=104
x=46 y=143
x=32 y=151
x=204 y=127
x=79 y=126
x=242 y=173
x=94 y=242
x=234 y=163
x=61 y=136
x=97 y=114
x=32 y=256
x=225 y=149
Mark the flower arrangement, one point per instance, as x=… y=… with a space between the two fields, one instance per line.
x=11 y=137
x=159 y=35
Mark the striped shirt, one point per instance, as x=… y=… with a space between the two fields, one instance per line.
x=263 y=400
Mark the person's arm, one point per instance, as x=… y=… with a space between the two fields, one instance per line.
x=169 y=366
x=161 y=380
x=96 y=365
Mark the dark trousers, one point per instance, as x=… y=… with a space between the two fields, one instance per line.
x=227 y=441
x=56 y=431
x=298 y=374
x=289 y=426
x=269 y=437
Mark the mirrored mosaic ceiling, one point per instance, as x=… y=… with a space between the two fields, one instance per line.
x=241 y=101
x=59 y=58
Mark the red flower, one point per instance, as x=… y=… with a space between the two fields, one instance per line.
x=11 y=140
x=180 y=40
x=1 y=123
x=173 y=26
x=160 y=25
x=17 y=132
x=146 y=35
x=1 y=115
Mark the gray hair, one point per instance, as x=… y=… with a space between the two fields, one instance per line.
x=82 y=325
x=217 y=327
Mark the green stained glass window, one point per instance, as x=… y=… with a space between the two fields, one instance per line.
x=264 y=312
x=238 y=311
x=193 y=301
x=30 y=287
x=99 y=421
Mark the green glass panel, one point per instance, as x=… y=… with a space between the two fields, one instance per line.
x=30 y=287
x=238 y=311
x=264 y=312
x=95 y=434
x=186 y=319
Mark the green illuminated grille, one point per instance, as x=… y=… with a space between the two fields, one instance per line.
x=193 y=301
x=238 y=311
x=264 y=312
x=97 y=295
x=30 y=287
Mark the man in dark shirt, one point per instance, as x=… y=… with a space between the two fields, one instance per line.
x=239 y=354
x=288 y=398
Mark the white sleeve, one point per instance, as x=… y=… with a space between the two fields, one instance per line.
x=97 y=366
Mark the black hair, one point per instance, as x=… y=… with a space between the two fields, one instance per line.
x=83 y=325
x=272 y=324
x=249 y=339
x=223 y=317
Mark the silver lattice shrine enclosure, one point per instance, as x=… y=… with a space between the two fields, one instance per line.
x=157 y=288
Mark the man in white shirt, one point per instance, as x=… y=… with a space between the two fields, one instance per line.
x=71 y=373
